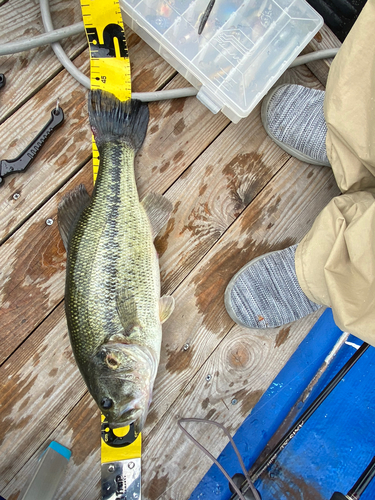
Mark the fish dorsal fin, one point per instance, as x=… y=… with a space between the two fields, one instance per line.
x=166 y=307
x=158 y=209
x=70 y=208
x=127 y=311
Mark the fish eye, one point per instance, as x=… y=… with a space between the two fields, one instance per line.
x=112 y=361
x=106 y=403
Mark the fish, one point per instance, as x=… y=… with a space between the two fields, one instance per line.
x=113 y=306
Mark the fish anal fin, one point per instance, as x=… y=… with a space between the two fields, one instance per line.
x=69 y=210
x=166 y=307
x=158 y=209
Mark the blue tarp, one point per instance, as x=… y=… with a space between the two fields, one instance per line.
x=334 y=446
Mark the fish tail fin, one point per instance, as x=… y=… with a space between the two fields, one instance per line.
x=115 y=120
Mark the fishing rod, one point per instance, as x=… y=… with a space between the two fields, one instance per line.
x=361 y=484
x=256 y=471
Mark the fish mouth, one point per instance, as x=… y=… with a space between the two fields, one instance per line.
x=130 y=418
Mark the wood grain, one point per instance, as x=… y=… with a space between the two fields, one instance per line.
x=242 y=368
x=236 y=195
x=69 y=147
x=34 y=257
x=278 y=217
x=39 y=385
x=27 y=72
x=213 y=192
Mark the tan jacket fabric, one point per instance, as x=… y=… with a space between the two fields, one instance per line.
x=335 y=262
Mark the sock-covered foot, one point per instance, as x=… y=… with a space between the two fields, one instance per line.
x=293 y=117
x=265 y=293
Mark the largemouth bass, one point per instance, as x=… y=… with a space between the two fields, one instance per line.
x=112 y=294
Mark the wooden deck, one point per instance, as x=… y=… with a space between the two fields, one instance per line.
x=236 y=195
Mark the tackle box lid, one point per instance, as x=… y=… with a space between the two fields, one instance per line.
x=244 y=48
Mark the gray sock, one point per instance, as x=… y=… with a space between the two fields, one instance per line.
x=266 y=294
x=293 y=117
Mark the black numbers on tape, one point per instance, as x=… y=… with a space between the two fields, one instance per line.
x=107 y=49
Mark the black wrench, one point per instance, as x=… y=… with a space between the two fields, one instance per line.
x=22 y=161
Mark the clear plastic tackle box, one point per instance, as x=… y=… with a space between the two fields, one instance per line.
x=244 y=48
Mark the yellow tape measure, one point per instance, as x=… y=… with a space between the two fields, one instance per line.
x=109 y=60
x=110 y=71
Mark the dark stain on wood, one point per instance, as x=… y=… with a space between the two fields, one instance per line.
x=282 y=336
x=318 y=37
x=179 y=127
x=245 y=175
x=175 y=106
x=53 y=372
x=201 y=224
x=164 y=167
x=24 y=404
x=152 y=417
x=156 y=486
x=154 y=129
x=178 y=156
x=178 y=361
x=6 y=423
x=247 y=399
x=161 y=242
x=202 y=189
x=48 y=392
x=205 y=403
x=210 y=414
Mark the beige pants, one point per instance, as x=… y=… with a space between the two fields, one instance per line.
x=335 y=262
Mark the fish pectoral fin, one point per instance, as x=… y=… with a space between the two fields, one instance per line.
x=158 y=209
x=70 y=208
x=127 y=311
x=166 y=307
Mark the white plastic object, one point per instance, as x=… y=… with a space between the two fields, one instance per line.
x=244 y=48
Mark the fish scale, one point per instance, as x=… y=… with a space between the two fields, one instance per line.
x=114 y=249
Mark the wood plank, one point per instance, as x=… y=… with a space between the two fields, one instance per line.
x=40 y=384
x=217 y=187
x=33 y=273
x=69 y=147
x=26 y=72
x=278 y=217
x=282 y=214
x=242 y=368
x=246 y=351
x=79 y=431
